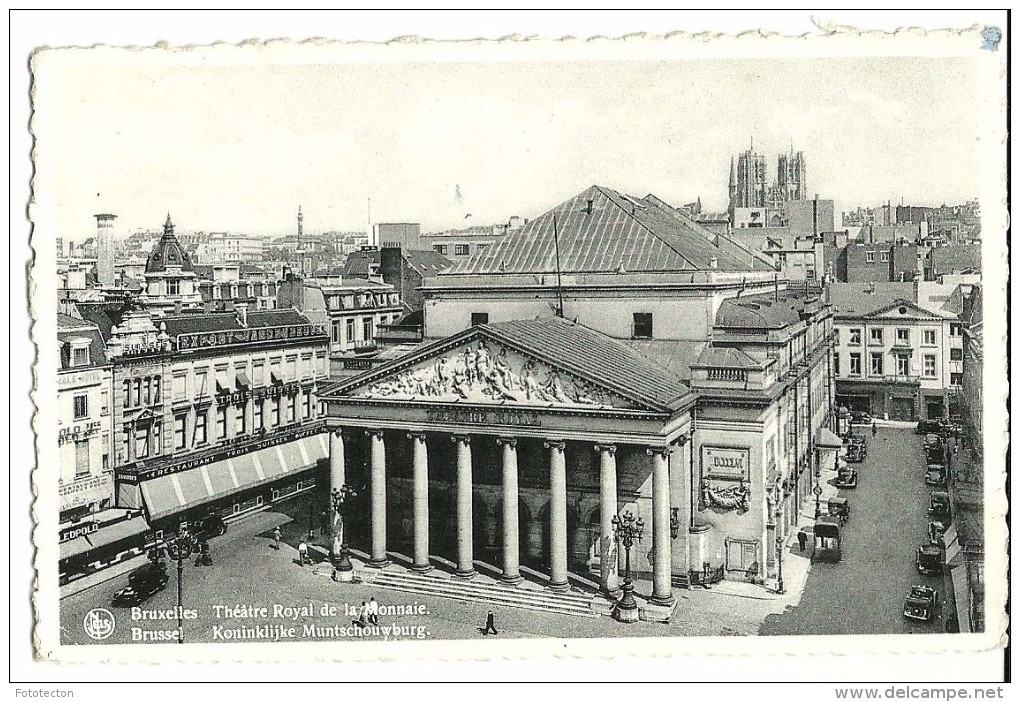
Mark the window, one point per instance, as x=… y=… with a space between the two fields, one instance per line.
x=201 y=382
x=257 y=416
x=156 y=396
x=479 y=318
x=855 y=337
x=306 y=408
x=869 y=256
x=180 y=431
x=292 y=368
x=173 y=287
x=221 y=422
x=241 y=420
x=461 y=249
x=137 y=396
x=835 y=336
x=80 y=356
x=642 y=325
x=835 y=364
x=903 y=337
x=929 y=366
x=877 y=364
x=875 y=335
x=855 y=364
x=366 y=327
x=258 y=373
x=275 y=414
x=157 y=438
x=81 y=406
x=201 y=427
x=902 y=364
x=291 y=406
x=929 y=337
x=885 y=257
x=336 y=332
x=322 y=409
x=127 y=393
x=955 y=354
x=350 y=330
x=141 y=442
x=956 y=379
x=439 y=249
x=81 y=459
x=334 y=302
x=955 y=329
x=180 y=389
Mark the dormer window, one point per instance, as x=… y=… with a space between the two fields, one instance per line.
x=79 y=353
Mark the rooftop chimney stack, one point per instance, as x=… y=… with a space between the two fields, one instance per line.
x=104 y=248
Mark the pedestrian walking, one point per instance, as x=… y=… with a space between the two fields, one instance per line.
x=490 y=624
x=302 y=551
x=874 y=428
x=373 y=611
x=802 y=539
x=363 y=615
x=277 y=535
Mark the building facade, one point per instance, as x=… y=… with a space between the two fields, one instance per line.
x=170 y=281
x=214 y=412
x=894 y=358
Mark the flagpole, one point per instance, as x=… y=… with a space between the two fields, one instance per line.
x=559 y=279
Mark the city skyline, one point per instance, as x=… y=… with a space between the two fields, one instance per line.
x=451 y=145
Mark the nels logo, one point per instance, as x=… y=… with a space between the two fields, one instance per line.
x=99 y=623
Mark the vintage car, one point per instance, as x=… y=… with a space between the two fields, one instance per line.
x=935 y=475
x=933 y=441
x=828 y=540
x=212 y=525
x=855 y=453
x=938 y=506
x=860 y=418
x=846 y=478
x=936 y=530
x=839 y=508
x=143 y=583
x=922 y=603
x=928 y=559
x=928 y=426
x=935 y=455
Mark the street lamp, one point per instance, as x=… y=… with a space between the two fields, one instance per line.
x=818 y=501
x=779 y=558
x=180 y=549
x=340 y=552
x=627 y=530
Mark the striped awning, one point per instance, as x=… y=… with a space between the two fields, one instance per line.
x=107 y=534
x=173 y=493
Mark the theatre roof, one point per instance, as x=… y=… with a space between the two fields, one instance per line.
x=766 y=310
x=601 y=230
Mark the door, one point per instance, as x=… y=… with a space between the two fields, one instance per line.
x=742 y=556
x=902 y=409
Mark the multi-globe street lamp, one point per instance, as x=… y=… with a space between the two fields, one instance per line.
x=180 y=549
x=340 y=499
x=628 y=530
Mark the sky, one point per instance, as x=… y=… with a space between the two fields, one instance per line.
x=235 y=148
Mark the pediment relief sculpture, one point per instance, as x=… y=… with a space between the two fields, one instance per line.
x=484 y=372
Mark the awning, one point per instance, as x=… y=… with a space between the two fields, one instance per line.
x=827 y=440
x=952 y=541
x=961 y=591
x=242 y=381
x=107 y=534
x=174 y=493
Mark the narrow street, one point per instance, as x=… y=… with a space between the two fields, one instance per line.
x=864 y=594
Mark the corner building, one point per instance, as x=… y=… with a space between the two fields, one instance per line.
x=607 y=356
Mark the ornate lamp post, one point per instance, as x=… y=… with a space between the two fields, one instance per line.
x=818 y=501
x=180 y=549
x=627 y=530
x=780 y=589
x=340 y=552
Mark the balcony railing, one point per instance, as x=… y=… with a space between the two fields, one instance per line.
x=731 y=374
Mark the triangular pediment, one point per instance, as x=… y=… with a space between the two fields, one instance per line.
x=478 y=368
x=904 y=309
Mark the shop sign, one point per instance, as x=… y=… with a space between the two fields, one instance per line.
x=78 y=432
x=67 y=380
x=78 y=530
x=483 y=416
x=234 y=398
x=221 y=454
x=718 y=462
x=249 y=336
x=80 y=492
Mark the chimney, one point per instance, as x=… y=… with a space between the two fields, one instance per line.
x=104 y=248
x=242 y=315
x=590 y=206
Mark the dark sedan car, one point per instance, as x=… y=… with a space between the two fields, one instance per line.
x=935 y=476
x=928 y=426
x=921 y=604
x=143 y=583
x=846 y=478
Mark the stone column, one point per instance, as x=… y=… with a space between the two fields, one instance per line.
x=378 y=458
x=609 y=577
x=465 y=521
x=511 y=524
x=662 y=587
x=421 y=504
x=557 y=517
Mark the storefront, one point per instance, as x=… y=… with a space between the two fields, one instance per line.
x=100 y=540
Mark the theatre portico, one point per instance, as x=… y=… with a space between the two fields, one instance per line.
x=515 y=444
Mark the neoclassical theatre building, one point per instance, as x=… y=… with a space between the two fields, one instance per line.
x=610 y=356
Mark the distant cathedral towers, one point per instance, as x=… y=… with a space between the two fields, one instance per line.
x=749 y=181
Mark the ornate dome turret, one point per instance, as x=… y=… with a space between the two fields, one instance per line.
x=168 y=252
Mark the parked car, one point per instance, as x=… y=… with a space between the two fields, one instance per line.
x=935 y=475
x=860 y=418
x=846 y=478
x=210 y=526
x=143 y=583
x=928 y=559
x=856 y=453
x=936 y=531
x=921 y=604
x=928 y=426
x=938 y=506
x=934 y=456
x=932 y=441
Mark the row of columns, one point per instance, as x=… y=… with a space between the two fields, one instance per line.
x=661 y=538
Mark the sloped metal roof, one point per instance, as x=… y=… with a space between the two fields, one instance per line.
x=601 y=230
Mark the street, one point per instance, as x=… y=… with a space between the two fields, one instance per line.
x=864 y=593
